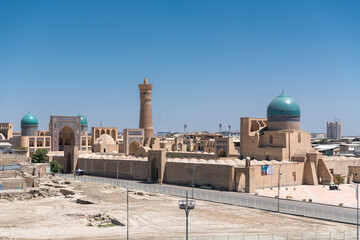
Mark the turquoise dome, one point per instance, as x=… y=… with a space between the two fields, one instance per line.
x=283 y=105
x=83 y=120
x=29 y=119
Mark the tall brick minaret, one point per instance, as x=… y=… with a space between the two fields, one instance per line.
x=146 y=121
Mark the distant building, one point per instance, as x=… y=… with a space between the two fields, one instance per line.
x=318 y=135
x=333 y=130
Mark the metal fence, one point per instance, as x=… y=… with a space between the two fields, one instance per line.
x=277 y=236
x=10 y=167
x=309 y=211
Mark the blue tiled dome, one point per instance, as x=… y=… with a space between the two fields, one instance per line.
x=29 y=119
x=83 y=120
x=283 y=105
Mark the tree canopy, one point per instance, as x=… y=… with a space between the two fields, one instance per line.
x=39 y=156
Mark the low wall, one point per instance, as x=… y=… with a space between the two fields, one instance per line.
x=11 y=183
x=12 y=158
x=128 y=169
x=292 y=173
x=355 y=172
x=216 y=176
x=341 y=166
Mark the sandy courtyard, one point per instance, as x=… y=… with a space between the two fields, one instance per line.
x=152 y=216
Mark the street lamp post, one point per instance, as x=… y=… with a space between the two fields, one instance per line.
x=185 y=126
x=229 y=130
x=187 y=205
x=279 y=173
x=357 y=211
x=127 y=213
x=220 y=125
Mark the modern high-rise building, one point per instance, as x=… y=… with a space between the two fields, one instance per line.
x=333 y=130
x=146 y=121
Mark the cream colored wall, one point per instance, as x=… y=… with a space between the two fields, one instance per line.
x=217 y=176
x=355 y=171
x=288 y=171
x=341 y=166
x=108 y=148
x=108 y=168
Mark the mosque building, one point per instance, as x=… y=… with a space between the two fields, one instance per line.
x=279 y=136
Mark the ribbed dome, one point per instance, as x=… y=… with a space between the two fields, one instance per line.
x=283 y=105
x=83 y=120
x=29 y=119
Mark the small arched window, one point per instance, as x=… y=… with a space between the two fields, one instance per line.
x=299 y=137
x=271 y=139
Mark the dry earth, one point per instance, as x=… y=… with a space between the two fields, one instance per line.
x=152 y=216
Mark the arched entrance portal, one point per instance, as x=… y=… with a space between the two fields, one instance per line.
x=154 y=170
x=180 y=147
x=240 y=182
x=134 y=146
x=66 y=138
x=222 y=153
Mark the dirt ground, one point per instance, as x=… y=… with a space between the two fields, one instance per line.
x=152 y=216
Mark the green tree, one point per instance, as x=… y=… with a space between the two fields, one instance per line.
x=55 y=166
x=39 y=156
x=340 y=179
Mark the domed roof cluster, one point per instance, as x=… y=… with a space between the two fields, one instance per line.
x=283 y=105
x=105 y=139
x=29 y=119
x=83 y=120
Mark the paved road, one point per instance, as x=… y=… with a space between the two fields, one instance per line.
x=315 y=210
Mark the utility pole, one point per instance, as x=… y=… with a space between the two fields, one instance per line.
x=220 y=125
x=185 y=126
x=357 y=211
x=279 y=189
x=229 y=130
x=127 y=213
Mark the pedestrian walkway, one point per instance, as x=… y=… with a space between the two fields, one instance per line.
x=345 y=196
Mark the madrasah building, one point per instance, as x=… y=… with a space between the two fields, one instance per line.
x=268 y=147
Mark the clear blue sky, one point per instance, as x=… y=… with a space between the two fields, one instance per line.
x=209 y=61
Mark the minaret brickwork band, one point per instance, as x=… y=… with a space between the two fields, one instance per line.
x=146 y=121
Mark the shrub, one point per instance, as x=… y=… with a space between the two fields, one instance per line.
x=55 y=166
x=39 y=156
